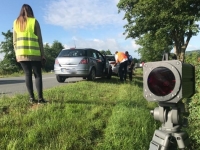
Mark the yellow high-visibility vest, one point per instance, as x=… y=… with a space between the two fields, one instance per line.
x=27 y=42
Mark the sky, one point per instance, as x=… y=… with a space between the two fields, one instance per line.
x=81 y=23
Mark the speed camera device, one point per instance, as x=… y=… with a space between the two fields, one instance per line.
x=168 y=81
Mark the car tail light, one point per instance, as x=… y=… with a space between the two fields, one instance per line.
x=112 y=63
x=84 y=61
x=56 y=61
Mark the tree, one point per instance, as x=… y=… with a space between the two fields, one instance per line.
x=153 y=47
x=170 y=18
x=56 y=48
x=51 y=52
x=9 y=63
x=106 y=52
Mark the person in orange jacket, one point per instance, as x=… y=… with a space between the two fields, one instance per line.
x=122 y=59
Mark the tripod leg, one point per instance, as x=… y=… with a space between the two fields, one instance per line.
x=182 y=139
x=160 y=141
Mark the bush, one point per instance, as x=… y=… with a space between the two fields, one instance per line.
x=194 y=105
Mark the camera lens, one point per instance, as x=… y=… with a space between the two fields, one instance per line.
x=161 y=81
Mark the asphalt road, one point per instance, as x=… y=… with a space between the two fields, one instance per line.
x=16 y=85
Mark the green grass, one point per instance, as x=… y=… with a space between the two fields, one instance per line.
x=100 y=115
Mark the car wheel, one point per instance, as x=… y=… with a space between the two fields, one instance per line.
x=109 y=74
x=60 y=79
x=92 y=75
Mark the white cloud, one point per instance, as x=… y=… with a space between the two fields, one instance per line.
x=192 y=47
x=134 y=45
x=90 y=14
x=83 y=14
x=98 y=44
x=194 y=43
x=111 y=44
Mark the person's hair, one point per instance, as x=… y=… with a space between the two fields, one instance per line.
x=116 y=52
x=26 y=11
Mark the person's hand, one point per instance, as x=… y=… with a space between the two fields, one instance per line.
x=43 y=57
x=43 y=61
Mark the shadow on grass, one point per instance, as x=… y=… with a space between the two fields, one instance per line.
x=137 y=80
x=126 y=103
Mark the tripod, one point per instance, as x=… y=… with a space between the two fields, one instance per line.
x=169 y=135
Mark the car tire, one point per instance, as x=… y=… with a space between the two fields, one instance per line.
x=109 y=74
x=60 y=79
x=92 y=75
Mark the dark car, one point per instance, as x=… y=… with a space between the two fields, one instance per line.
x=81 y=62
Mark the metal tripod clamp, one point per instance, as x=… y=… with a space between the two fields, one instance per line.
x=169 y=135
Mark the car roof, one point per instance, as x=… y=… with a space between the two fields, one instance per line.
x=110 y=55
x=78 y=49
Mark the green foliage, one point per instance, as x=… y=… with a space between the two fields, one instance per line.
x=106 y=52
x=153 y=47
x=189 y=52
x=194 y=105
x=8 y=65
x=51 y=52
x=135 y=60
x=175 y=20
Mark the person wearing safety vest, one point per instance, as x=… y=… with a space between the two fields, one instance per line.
x=28 y=46
x=122 y=59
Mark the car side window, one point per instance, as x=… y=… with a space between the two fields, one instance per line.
x=101 y=57
x=89 y=53
x=95 y=55
x=112 y=58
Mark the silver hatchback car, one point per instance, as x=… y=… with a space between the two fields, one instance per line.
x=83 y=62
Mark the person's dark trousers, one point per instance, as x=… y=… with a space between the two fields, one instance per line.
x=28 y=67
x=130 y=74
x=123 y=71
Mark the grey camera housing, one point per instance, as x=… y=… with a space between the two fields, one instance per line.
x=185 y=81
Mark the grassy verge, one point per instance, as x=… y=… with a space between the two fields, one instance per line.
x=104 y=114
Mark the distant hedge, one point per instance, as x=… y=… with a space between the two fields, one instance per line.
x=194 y=104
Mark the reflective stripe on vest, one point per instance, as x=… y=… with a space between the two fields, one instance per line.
x=27 y=41
x=121 y=56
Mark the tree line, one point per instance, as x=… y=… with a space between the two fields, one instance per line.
x=9 y=64
x=160 y=26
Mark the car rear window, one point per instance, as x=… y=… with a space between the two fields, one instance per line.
x=110 y=58
x=72 y=53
